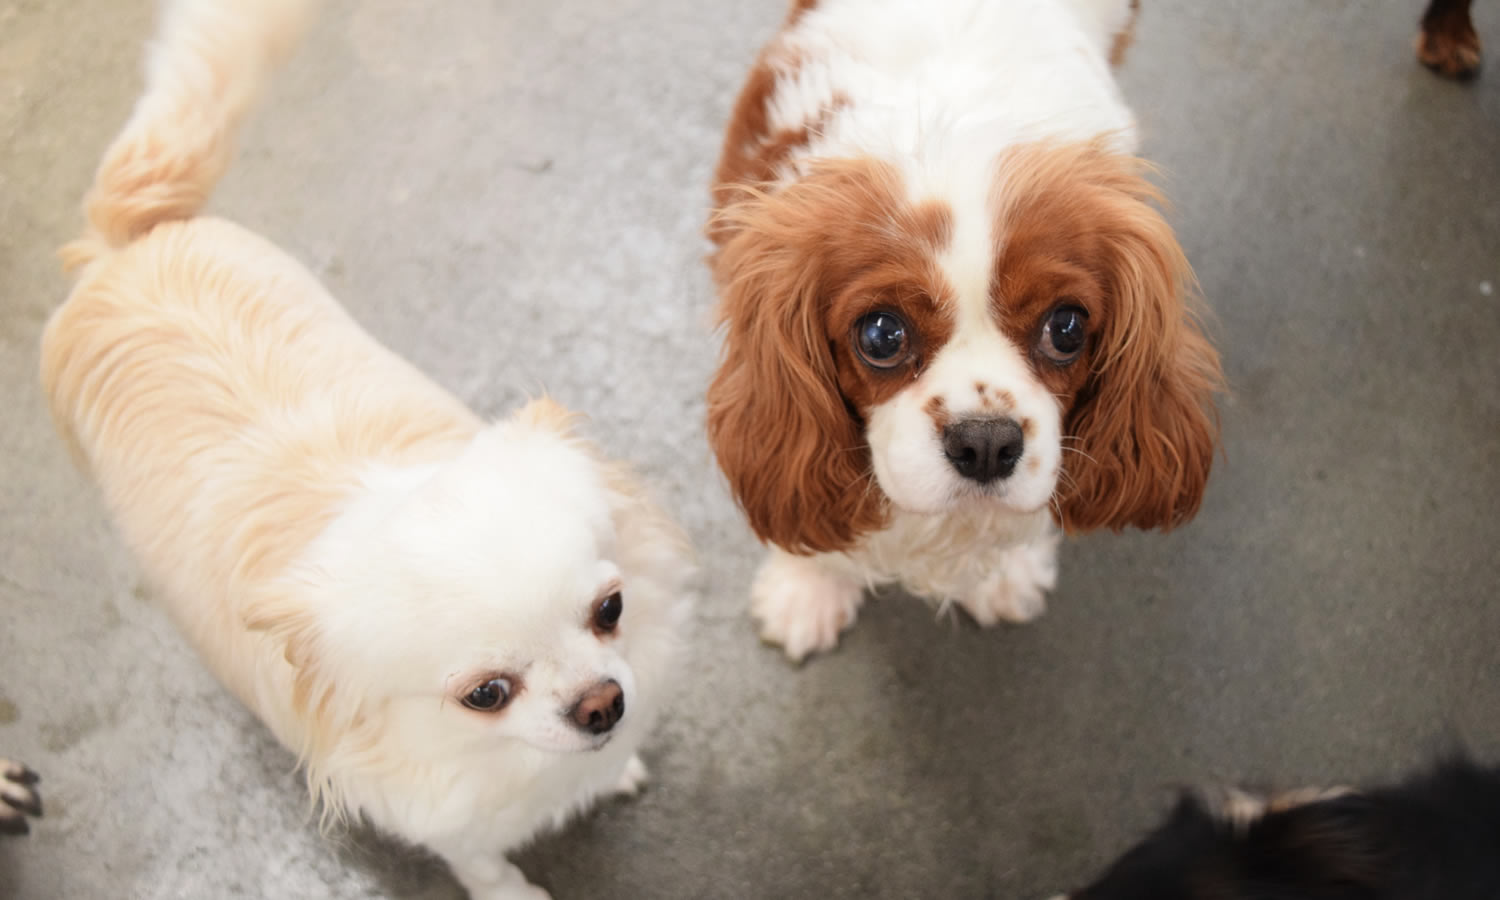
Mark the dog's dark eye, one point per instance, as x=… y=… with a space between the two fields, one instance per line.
x=881 y=339
x=607 y=613
x=1064 y=333
x=490 y=696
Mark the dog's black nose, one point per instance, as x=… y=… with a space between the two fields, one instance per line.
x=984 y=449
x=600 y=707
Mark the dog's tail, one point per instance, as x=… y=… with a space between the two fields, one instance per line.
x=203 y=72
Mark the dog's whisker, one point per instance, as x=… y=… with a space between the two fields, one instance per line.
x=1085 y=455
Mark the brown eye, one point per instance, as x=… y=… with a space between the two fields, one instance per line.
x=607 y=613
x=882 y=340
x=1064 y=332
x=489 y=696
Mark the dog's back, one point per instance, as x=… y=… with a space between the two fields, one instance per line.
x=1435 y=836
x=1442 y=833
x=222 y=399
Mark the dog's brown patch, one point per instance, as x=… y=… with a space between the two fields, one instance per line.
x=937 y=411
x=799 y=7
x=1077 y=225
x=797 y=269
x=753 y=153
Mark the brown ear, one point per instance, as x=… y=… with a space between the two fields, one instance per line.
x=794 y=454
x=1144 y=424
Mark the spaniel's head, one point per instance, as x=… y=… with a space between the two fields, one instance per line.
x=1019 y=335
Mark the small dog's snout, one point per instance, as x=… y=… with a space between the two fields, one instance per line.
x=600 y=707
x=983 y=450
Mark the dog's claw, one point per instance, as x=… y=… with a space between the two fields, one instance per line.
x=18 y=797
x=21 y=775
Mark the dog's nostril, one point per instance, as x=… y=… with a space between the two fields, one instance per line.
x=600 y=708
x=983 y=450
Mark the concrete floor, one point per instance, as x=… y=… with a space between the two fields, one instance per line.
x=510 y=193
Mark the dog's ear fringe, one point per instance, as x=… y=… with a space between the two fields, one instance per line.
x=1146 y=423
x=793 y=453
x=544 y=412
x=329 y=726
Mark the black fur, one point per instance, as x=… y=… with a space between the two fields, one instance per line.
x=1433 y=837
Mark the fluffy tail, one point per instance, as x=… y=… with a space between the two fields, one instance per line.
x=203 y=72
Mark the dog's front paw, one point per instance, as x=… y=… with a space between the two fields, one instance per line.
x=491 y=879
x=1017 y=591
x=18 y=797
x=633 y=779
x=800 y=606
x=1449 y=45
x=523 y=891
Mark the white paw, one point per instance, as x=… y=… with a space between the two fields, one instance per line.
x=800 y=606
x=494 y=878
x=1017 y=591
x=18 y=797
x=633 y=779
x=524 y=891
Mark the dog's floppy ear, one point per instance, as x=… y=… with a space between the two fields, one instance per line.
x=544 y=412
x=331 y=719
x=295 y=629
x=1145 y=423
x=794 y=454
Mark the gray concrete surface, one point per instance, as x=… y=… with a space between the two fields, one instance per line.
x=510 y=192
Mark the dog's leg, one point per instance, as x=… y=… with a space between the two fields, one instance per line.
x=18 y=797
x=1448 y=43
x=801 y=605
x=492 y=877
x=1017 y=590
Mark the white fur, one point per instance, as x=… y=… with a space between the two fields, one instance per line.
x=490 y=563
x=941 y=89
x=348 y=547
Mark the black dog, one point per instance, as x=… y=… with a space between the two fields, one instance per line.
x=1433 y=837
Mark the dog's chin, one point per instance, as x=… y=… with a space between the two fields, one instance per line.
x=568 y=746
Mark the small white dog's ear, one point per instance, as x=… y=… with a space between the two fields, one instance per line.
x=544 y=412
x=651 y=542
x=292 y=625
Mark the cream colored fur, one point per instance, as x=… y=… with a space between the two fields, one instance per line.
x=347 y=546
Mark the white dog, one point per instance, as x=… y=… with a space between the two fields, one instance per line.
x=462 y=629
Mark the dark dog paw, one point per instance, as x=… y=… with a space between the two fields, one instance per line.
x=18 y=797
x=1448 y=44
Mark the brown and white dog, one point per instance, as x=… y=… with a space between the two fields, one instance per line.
x=952 y=314
x=1448 y=43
